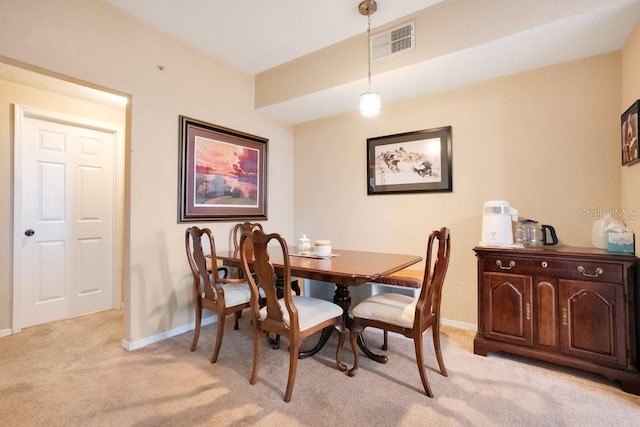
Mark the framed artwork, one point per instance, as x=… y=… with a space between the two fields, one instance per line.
x=629 y=135
x=222 y=173
x=410 y=162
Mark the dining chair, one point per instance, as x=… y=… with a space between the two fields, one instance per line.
x=406 y=315
x=247 y=227
x=291 y=316
x=410 y=280
x=218 y=294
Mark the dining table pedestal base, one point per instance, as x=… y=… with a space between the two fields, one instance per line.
x=342 y=297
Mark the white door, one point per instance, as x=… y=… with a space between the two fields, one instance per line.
x=64 y=195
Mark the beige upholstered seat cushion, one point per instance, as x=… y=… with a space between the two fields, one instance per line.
x=311 y=311
x=234 y=294
x=396 y=309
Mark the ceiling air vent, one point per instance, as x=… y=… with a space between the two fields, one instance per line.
x=393 y=41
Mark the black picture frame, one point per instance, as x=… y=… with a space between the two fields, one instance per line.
x=412 y=162
x=629 y=135
x=222 y=173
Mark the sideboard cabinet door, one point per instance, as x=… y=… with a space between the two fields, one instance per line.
x=592 y=317
x=508 y=311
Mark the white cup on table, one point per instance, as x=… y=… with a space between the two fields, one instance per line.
x=322 y=247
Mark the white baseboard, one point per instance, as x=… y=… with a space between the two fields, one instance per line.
x=459 y=325
x=135 y=345
x=5 y=332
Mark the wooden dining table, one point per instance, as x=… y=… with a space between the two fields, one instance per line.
x=344 y=268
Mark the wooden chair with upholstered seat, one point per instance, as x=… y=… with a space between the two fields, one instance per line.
x=293 y=317
x=242 y=228
x=403 y=279
x=220 y=295
x=247 y=227
x=406 y=315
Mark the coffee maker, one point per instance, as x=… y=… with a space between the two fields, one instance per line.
x=497 y=219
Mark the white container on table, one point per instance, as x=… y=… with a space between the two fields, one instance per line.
x=322 y=247
x=304 y=245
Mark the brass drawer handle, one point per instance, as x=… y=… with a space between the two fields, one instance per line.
x=511 y=265
x=565 y=317
x=599 y=271
x=527 y=309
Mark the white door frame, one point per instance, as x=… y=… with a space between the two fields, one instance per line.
x=20 y=112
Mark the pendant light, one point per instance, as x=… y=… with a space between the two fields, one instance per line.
x=370 y=100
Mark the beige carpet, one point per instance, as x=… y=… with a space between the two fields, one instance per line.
x=74 y=373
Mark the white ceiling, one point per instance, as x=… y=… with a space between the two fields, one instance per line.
x=256 y=35
x=599 y=30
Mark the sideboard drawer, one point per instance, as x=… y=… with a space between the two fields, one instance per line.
x=593 y=271
x=510 y=264
x=570 y=269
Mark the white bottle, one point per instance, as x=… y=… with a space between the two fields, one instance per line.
x=598 y=231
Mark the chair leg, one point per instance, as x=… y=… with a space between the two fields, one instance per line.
x=343 y=332
x=237 y=316
x=273 y=342
x=353 y=337
x=385 y=340
x=295 y=287
x=219 y=335
x=196 y=331
x=293 y=367
x=436 y=343
x=417 y=341
x=256 y=356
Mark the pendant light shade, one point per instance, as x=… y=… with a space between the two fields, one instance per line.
x=370 y=103
x=370 y=100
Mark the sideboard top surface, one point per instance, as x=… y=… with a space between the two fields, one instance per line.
x=558 y=252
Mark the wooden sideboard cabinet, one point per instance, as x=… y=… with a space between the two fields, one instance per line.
x=576 y=307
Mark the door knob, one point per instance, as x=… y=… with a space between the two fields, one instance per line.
x=29 y=232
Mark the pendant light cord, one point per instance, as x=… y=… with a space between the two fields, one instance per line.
x=369 y=47
x=370 y=100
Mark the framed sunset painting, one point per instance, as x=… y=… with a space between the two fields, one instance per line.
x=222 y=173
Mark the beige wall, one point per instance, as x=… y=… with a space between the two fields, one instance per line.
x=545 y=140
x=630 y=94
x=95 y=42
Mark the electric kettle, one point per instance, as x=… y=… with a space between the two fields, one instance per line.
x=531 y=233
